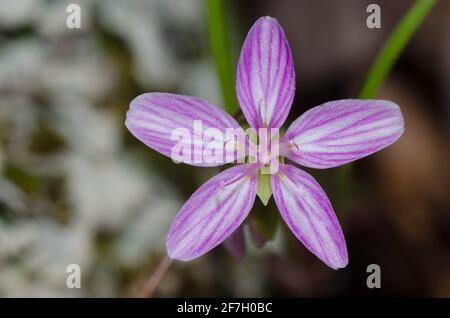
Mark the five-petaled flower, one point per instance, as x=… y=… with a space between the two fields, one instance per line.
x=325 y=136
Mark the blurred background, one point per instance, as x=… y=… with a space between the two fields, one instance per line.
x=77 y=188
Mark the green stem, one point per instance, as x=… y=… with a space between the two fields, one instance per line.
x=380 y=69
x=219 y=41
x=394 y=47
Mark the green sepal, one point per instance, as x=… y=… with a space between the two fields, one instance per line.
x=264 y=188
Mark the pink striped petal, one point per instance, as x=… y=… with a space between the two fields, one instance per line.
x=307 y=211
x=265 y=75
x=342 y=131
x=153 y=118
x=213 y=212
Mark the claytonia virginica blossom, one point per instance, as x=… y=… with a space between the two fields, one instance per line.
x=326 y=136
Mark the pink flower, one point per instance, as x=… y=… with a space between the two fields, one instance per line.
x=326 y=136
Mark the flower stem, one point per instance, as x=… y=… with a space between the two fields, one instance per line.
x=380 y=69
x=220 y=48
x=154 y=280
x=394 y=46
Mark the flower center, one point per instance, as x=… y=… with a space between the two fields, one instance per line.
x=267 y=152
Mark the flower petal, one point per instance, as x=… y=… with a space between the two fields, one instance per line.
x=307 y=211
x=342 y=131
x=157 y=118
x=213 y=212
x=235 y=244
x=258 y=238
x=265 y=82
